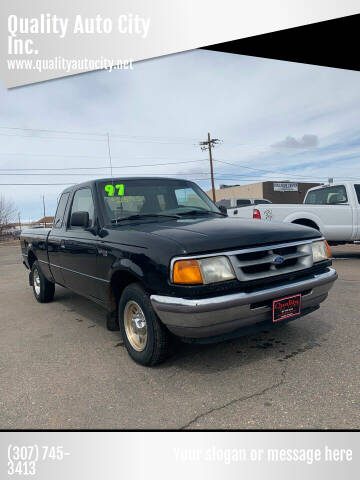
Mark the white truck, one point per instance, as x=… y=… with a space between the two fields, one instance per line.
x=332 y=209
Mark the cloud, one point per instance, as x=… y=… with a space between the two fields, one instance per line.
x=307 y=141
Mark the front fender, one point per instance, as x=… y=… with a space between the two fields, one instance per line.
x=127 y=266
x=151 y=275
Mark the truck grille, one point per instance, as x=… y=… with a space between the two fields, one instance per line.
x=261 y=262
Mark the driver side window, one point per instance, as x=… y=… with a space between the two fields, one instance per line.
x=83 y=202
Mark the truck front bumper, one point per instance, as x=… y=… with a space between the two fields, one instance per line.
x=209 y=317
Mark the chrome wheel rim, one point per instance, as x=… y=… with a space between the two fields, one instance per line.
x=135 y=326
x=36 y=281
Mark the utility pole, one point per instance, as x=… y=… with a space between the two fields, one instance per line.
x=209 y=145
x=19 y=221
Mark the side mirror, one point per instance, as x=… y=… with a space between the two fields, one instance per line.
x=222 y=209
x=79 y=219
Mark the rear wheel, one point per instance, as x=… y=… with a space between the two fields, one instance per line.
x=146 y=339
x=42 y=288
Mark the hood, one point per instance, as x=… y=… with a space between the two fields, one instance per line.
x=197 y=235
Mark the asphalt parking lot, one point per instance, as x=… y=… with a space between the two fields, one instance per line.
x=61 y=369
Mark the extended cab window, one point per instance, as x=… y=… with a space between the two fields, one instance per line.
x=327 y=196
x=83 y=202
x=357 y=190
x=243 y=202
x=224 y=203
x=59 y=217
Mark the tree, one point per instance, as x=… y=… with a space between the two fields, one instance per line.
x=8 y=214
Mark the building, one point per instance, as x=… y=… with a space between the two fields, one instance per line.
x=276 y=192
x=45 y=222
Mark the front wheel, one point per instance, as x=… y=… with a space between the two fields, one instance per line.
x=146 y=339
x=42 y=288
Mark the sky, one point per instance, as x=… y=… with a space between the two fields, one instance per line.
x=277 y=121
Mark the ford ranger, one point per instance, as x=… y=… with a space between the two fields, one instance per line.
x=165 y=261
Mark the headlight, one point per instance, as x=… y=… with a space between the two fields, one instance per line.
x=202 y=271
x=321 y=251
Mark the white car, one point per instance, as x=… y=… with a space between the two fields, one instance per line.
x=333 y=209
x=233 y=204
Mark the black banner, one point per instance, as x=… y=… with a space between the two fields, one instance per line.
x=332 y=44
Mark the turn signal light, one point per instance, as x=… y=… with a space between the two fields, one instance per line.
x=256 y=214
x=328 y=251
x=187 y=272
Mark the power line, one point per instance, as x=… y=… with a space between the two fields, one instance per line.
x=270 y=171
x=230 y=175
x=99 y=168
x=122 y=135
x=118 y=139
x=57 y=184
x=92 y=174
x=84 y=155
x=123 y=140
x=46 y=130
x=173 y=163
x=103 y=134
x=150 y=175
x=48 y=138
x=57 y=155
x=248 y=168
x=133 y=139
x=31 y=184
x=225 y=176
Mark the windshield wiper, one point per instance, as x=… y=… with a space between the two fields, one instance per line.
x=143 y=215
x=202 y=212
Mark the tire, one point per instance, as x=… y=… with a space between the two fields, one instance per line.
x=42 y=288
x=151 y=344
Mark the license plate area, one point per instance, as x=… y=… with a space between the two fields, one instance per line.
x=286 y=307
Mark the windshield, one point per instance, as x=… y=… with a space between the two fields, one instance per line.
x=123 y=198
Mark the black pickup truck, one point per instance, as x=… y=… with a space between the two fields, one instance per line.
x=164 y=260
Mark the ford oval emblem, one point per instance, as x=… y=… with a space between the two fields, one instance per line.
x=278 y=260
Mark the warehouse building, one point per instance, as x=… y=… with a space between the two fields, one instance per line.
x=275 y=192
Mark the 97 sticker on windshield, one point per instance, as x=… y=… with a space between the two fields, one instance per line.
x=115 y=189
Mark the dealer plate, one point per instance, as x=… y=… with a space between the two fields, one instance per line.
x=286 y=307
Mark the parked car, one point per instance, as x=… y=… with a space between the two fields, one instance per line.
x=161 y=257
x=232 y=205
x=332 y=209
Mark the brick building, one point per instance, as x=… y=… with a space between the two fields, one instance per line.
x=276 y=192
